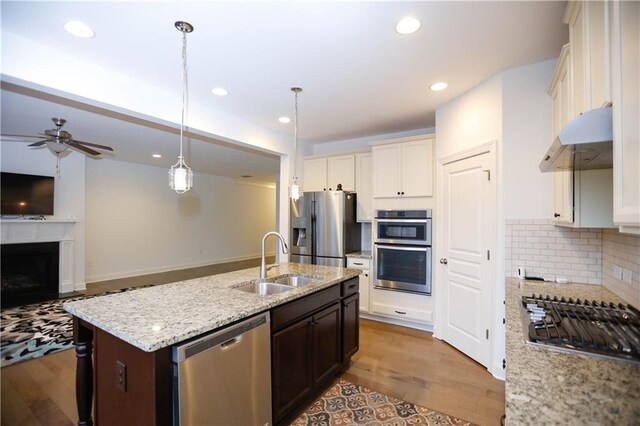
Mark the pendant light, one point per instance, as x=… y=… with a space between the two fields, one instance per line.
x=295 y=189
x=180 y=175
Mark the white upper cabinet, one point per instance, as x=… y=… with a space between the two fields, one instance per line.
x=589 y=57
x=324 y=174
x=625 y=89
x=364 y=183
x=315 y=174
x=561 y=114
x=403 y=169
x=341 y=171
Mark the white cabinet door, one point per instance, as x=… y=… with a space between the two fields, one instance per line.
x=341 y=170
x=577 y=27
x=364 y=183
x=364 y=287
x=417 y=169
x=625 y=55
x=599 y=87
x=386 y=171
x=563 y=197
x=315 y=174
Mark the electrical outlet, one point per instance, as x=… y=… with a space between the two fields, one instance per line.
x=617 y=272
x=627 y=275
x=121 y=379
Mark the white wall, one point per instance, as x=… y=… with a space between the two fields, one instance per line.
x=526 y=130
x=137 y=225
x=513 y=109
x=335 y=147
x=472 y=119
x=69 y=189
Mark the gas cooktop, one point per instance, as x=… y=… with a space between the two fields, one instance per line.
x=588 y=327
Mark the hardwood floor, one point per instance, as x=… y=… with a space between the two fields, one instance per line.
x=401 y=362
x=411 y=365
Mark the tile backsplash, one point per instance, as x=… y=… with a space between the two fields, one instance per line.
x=553 y=251
x=585 y=255
x=366 y=236
x=621 y=255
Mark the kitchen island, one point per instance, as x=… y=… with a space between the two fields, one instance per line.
x=131 y=334
x=547 y=387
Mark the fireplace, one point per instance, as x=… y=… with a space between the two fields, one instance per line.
x=30 y=272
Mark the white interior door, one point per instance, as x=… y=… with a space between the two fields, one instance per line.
x=468 y=215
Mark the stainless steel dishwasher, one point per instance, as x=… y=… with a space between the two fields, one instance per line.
x=224 y=378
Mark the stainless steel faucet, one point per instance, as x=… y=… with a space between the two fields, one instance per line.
x=263 y=266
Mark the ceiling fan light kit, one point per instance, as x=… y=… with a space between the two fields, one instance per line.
x=181 y=175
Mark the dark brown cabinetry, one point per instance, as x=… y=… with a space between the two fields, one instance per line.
x=350 y=326
x=308 y=343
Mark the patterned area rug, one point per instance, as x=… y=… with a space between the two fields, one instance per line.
x=32 y=331
x=349 y=404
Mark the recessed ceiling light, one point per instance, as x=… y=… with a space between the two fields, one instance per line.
x=436 y=87
x=220 y=91
x=157 y=155
x=408 y=25
x=284 y=120
x=79 y=29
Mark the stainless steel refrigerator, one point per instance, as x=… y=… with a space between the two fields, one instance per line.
x=324 y=228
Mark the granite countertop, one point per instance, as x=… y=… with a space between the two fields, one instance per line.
x=546 y=387
x=364 y=254
x=156 y=317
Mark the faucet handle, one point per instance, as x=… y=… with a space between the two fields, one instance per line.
x=270 y=267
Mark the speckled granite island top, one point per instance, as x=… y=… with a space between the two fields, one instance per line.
x=156 y=317
x=546 y=387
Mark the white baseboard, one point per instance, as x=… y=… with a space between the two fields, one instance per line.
x=138 y=272
x=497 y=371
x=409 y=324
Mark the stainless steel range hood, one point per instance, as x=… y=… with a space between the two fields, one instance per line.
x=583 y=144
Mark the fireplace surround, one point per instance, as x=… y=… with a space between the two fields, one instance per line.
x=30 y=272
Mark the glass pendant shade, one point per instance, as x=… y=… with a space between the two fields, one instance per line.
x=295 y=190
x=180 y=177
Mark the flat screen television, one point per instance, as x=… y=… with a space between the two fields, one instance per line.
x=26 y=194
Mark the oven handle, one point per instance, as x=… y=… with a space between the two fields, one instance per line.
x=383 y=220
x=421 y=248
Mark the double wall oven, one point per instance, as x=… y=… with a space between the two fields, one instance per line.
x=402 y=252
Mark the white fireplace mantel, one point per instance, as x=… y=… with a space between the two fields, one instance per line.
x=21 y=231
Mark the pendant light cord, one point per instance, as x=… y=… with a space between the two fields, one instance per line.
x=295 y=136
x=184 y=86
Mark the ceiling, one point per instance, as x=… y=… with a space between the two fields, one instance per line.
x=359 y=77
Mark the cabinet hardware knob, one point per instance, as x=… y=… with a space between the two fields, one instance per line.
x=330 y=189
x=398 y=192
x=556 y=215
x=444 y=261
x=402 y=192
x=400 y=312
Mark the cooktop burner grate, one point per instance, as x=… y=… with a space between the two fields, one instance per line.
x=597 y=328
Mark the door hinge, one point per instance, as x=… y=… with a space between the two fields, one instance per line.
x=504 y=363
x=487 y=334
x=488 y=254
x=488 y=172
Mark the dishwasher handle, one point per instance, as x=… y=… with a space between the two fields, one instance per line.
x=225 y=338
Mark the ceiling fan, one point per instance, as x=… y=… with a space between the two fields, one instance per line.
x=58 y=140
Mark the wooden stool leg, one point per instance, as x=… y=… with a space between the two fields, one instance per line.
x=83 y=339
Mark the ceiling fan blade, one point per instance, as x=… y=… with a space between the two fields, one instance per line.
x=82 y=148
x=39 y=143
x=20 y=136
x=106 y=148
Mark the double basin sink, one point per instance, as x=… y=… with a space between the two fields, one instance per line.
x=278 y=285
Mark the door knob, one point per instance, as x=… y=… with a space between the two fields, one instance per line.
x=444 y=261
